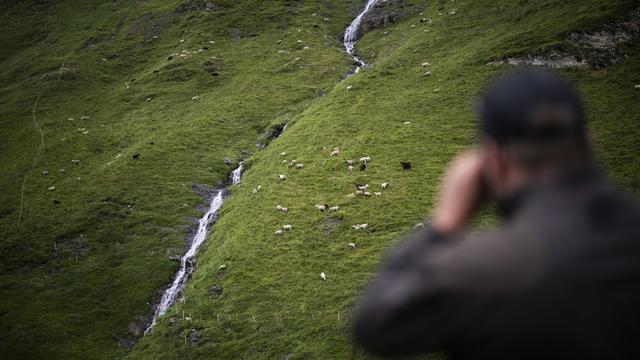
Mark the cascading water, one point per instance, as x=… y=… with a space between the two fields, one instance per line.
x=188 y=261
x=352 y=34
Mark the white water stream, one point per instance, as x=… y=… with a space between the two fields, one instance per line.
x=188 y=261
x=352 y=34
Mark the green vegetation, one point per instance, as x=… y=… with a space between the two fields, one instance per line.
x=78 y=277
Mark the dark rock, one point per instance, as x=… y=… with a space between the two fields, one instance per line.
x=204 y=191
x=236 y=34
x=405 y=165
x=56 y=202
x=136 y=157
x=195 y=5
x=215 y=291
x=195 y=335
x=383 y=14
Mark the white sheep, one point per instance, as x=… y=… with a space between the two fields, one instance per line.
x=419 y=226
x=637 y=86
x=377 y=194
x=335 y=152
x=287 y=227
x=363 y=187
x=349 y=87
x=259 y=188
x=360 y=226
x=428 y=73
x=299 y=166
x=323 y=276
x=321 y=207
x=282 y=177
x=195 y=98
x=351 y=246
x=51 y=188
x=366 y=193
x=359 y=192
x=282 y=209
x=285 y=162
x=350 y=162
x=278 y=233
x=384 y=186
x=351 y=195
x=222 y=267
x=283 y=154
x=425 y=64
x=255 y=191
x=75 y=162
x=350 y=168
x=334 y=208
x=45 y=173
x=364 y=160
x=61 y=171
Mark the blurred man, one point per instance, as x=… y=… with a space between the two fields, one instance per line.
x=559 y=278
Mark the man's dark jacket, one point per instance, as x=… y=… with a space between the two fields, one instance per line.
x=559 y=279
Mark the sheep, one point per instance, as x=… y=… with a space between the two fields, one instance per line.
x=334 y=208
x=255 y=191
x=287 y=227
x=75 y=162
x=352 y=246
x=61 y=171
x=299 y=41
x=349 y=87
x=45 y=173
x=305 y=48
x=362 y=187
x=366 y=193
x=285 y=162
x=377 y=194
x=452 y=12
x=323 y=276
x=283 y=154
x=51 y=188
x=326 y=19
x=359 y=192
x=350 y=168
x=419 y=226
x=364 y=160
x=351 y=195
x=84 y=117
x=637 y=86
x=384 y=186
x=222 y=267
x=360 y=226
x=299 y=166
x=195 y=98
x=259 y=188
x=428 y=73
x=282 y=209
x=335 y=152
x=321 y=207
x=282 y=177
x=425 y=64
x=278 y=233
x=350 y=162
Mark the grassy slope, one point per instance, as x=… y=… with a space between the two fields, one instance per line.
x=122 y=216
x=274 y=302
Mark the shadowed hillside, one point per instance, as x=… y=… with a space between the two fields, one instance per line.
x=86 y=249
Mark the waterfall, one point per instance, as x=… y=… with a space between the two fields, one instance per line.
x=352 y=34
x=188 y=261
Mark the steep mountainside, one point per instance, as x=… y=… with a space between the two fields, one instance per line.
x=185 y=85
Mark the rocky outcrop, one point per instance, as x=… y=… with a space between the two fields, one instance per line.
x=595 y=50
x=385 y=13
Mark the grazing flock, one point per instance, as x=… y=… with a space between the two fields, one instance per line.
x=361 y=190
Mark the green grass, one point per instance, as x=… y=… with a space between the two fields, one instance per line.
x=274 y=302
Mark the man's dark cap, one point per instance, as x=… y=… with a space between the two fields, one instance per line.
x=531 y=106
